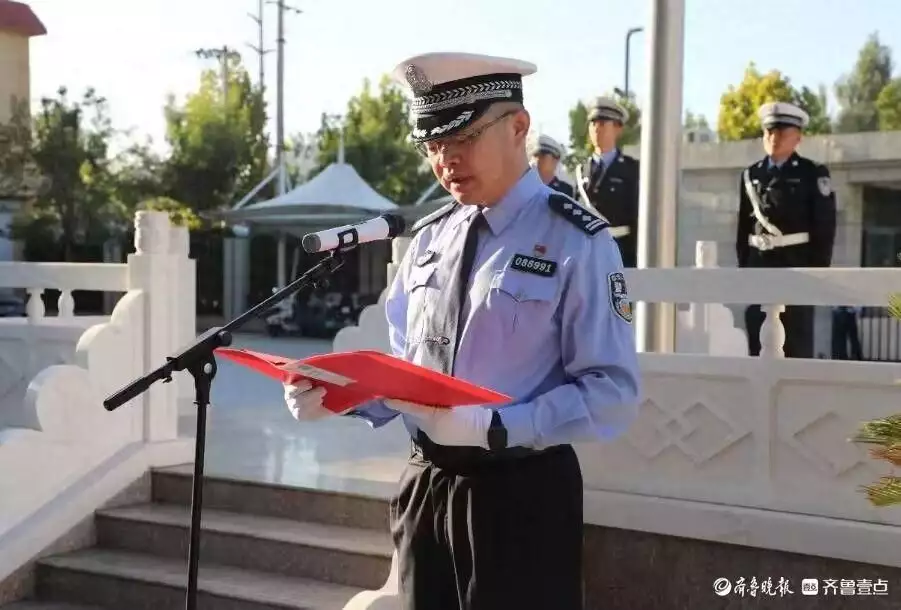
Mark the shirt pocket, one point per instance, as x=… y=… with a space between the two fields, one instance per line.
x=422 y=292
x=524 y=300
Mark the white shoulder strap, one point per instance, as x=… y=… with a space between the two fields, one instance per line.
x=580 y=184
x=757 y=205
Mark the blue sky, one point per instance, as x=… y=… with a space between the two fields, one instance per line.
x=135 y=53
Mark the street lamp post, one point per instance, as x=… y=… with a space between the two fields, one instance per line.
x=628 y=46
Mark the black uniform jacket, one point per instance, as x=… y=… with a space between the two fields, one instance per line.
x=795 y=198
x=613 y=191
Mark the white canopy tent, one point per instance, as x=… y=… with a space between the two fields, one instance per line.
x=336 y=190
x=336 y=196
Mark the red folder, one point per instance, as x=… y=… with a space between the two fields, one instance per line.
x=353 y=378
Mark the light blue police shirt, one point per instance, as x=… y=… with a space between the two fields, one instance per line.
x=563 y=347
x=607 y=158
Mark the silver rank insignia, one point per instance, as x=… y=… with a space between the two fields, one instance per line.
x=590 y=222
x=619 y=296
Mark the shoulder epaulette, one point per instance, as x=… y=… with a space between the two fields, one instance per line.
x=433 y=217
x=588 y=221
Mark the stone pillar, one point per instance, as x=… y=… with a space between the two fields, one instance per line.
x=151 y=269
x=183 y=302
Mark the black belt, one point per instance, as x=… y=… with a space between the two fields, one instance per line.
x=428 y=450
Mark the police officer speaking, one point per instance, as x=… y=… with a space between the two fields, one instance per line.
x=786 y=218
x=546 y=159
x=517 y=288
x=608 y=180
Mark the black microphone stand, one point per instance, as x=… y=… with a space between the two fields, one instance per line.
x=198 y=359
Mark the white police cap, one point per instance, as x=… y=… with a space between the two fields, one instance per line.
x=607 y=109
x=547 y=145
x=782 y=114
x=452 y=90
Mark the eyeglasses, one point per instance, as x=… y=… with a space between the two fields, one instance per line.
x=460 y=142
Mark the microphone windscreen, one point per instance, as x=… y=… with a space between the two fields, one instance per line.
x=311 y=243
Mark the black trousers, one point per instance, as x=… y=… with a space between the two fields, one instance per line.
x=474 y=533
x=844 y=332
x=798 y=323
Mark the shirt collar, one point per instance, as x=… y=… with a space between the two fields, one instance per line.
x=770 y=163
x=608 y=157
x=501 y=214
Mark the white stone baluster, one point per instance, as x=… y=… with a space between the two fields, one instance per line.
x=35 y=306
x=65 y=304
x=698 y=343
x=772 y=333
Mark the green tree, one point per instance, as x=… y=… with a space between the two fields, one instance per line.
x=858 y=91
x=888 y=106
x=16 y=170
x=138 y=175
x=218 y=140
x=73 y=205
x=579 y=146
x=632 y=128
x=739 y=104
x=179 y=214
x=814 y=104
x=376 y=143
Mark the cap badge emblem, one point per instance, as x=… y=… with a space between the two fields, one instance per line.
x=418 y=81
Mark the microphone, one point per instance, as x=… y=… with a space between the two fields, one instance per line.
x=386 y=226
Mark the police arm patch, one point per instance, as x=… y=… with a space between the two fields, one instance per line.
x=824 y=183
x=619 y=296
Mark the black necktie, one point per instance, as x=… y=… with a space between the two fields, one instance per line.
x=444 y=324
x=597 y=171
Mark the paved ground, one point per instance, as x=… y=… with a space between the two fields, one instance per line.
x=252 y=435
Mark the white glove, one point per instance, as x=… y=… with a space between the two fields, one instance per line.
x=305 y=402
x=460 y=426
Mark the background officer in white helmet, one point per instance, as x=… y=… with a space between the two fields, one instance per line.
x=546 y=156
x=517 y=288
x=786 y=218
x=608 y=180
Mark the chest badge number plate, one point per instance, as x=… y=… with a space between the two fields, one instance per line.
x=531 y=264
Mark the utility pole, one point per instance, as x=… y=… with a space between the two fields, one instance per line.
x=280 y=94
x=260 y=47
x=222 y=55
x=661 y=131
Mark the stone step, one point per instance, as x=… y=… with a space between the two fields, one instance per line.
x=117 y=580
x=173 y=486
x=331 y=553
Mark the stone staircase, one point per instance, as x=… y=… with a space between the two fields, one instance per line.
x=263 y=547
